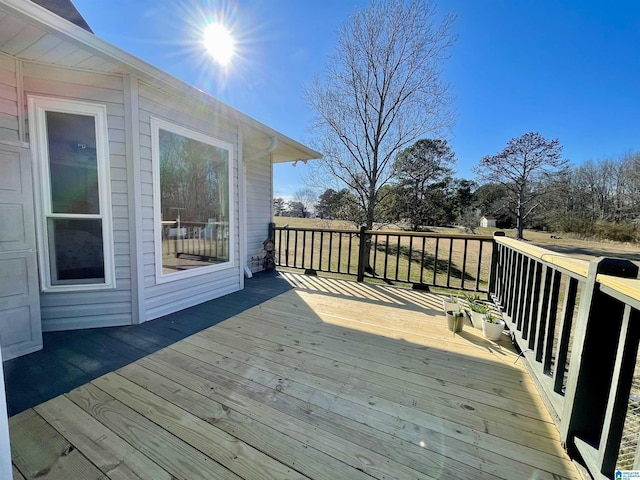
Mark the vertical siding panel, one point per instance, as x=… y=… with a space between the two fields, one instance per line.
x=258 y=209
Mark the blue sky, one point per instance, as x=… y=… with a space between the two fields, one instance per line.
x=568 y=69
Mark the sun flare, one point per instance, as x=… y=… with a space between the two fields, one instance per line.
x=219 y=43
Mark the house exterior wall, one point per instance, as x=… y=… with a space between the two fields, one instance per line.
x=99 y=308
x=8 y=100
x=170 y=296
x=84 y=309
x=259 y=209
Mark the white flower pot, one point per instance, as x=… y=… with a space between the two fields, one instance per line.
x=477 y=319
x=449 y=306
x=493 y=331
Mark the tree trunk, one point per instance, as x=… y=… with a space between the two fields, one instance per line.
x=520 y=221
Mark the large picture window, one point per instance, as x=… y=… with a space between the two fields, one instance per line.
x=192 y=201
x=70 y=143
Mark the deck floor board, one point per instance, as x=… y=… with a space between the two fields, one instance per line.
x=331 y=379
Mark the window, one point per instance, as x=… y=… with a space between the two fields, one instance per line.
x=192 y=192
x=70 y=144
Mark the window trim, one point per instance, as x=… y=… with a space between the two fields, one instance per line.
x=156 y=125
x=37 y=108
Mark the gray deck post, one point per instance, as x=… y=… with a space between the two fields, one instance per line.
x=593 y=355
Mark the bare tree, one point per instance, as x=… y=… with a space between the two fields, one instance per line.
x=279 y=206
x=381 y=92
x=307 y=199
x=520 y=168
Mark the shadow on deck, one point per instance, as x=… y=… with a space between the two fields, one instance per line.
x=72 y=358
x=330 y=379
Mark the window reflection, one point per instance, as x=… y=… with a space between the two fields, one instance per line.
x=194 y=198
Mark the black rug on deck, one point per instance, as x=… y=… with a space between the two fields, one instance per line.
x=72 y=358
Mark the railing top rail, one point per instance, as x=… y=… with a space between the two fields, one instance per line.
x=462 y=236
x=573 y=265
x=402 y=233
x=624 y=289
x=326 y=230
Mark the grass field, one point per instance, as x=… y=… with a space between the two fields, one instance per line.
x=569 y=245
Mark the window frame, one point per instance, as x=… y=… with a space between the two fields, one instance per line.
x=156 y=125
x=38 y=106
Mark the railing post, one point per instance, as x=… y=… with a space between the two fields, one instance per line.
x=272 y=232
x=493 y=273
x=363 y=253
x=593 y=355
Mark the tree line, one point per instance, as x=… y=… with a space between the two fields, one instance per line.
x=526 y=185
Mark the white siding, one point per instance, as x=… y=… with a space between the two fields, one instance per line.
x=66 y=310
x=8 y=100
x=259 y=207
x=164 y=298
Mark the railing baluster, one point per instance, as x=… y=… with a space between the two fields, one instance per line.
x=313 y=247
x=330 y=251
x=339 y=250
x=435 y=261
x=508 y=284
x=479 y=265
x=397 y=258
x=535 y=300
x=375 y=253
x=525 y=308
x=287 y=248
x=449 y=262
x=542 y=312
x=349 y=256
x=295 y=248
x=464 y=263
x=424 y=242
x=410 y=256
x=565 y=335
x=304 y=249
x=515 y=281
x=320 y=252
x=386 y=255
x=552 y=316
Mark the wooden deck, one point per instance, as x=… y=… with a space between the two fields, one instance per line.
x=330 y=380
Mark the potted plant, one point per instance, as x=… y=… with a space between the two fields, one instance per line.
x=455 y=320
x=492 y=327
x=477 y=312
x=451 y=303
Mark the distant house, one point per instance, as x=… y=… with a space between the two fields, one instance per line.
x=104 y=220
x=487 y=222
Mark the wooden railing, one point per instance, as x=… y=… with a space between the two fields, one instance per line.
x=578 y=326
x=421 y=259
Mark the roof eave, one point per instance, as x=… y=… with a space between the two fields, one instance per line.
x=52 y=22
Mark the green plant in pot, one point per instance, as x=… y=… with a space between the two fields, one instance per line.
x=477 y=312
x=492 y=327
x=452 y=302
x=455 y=320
